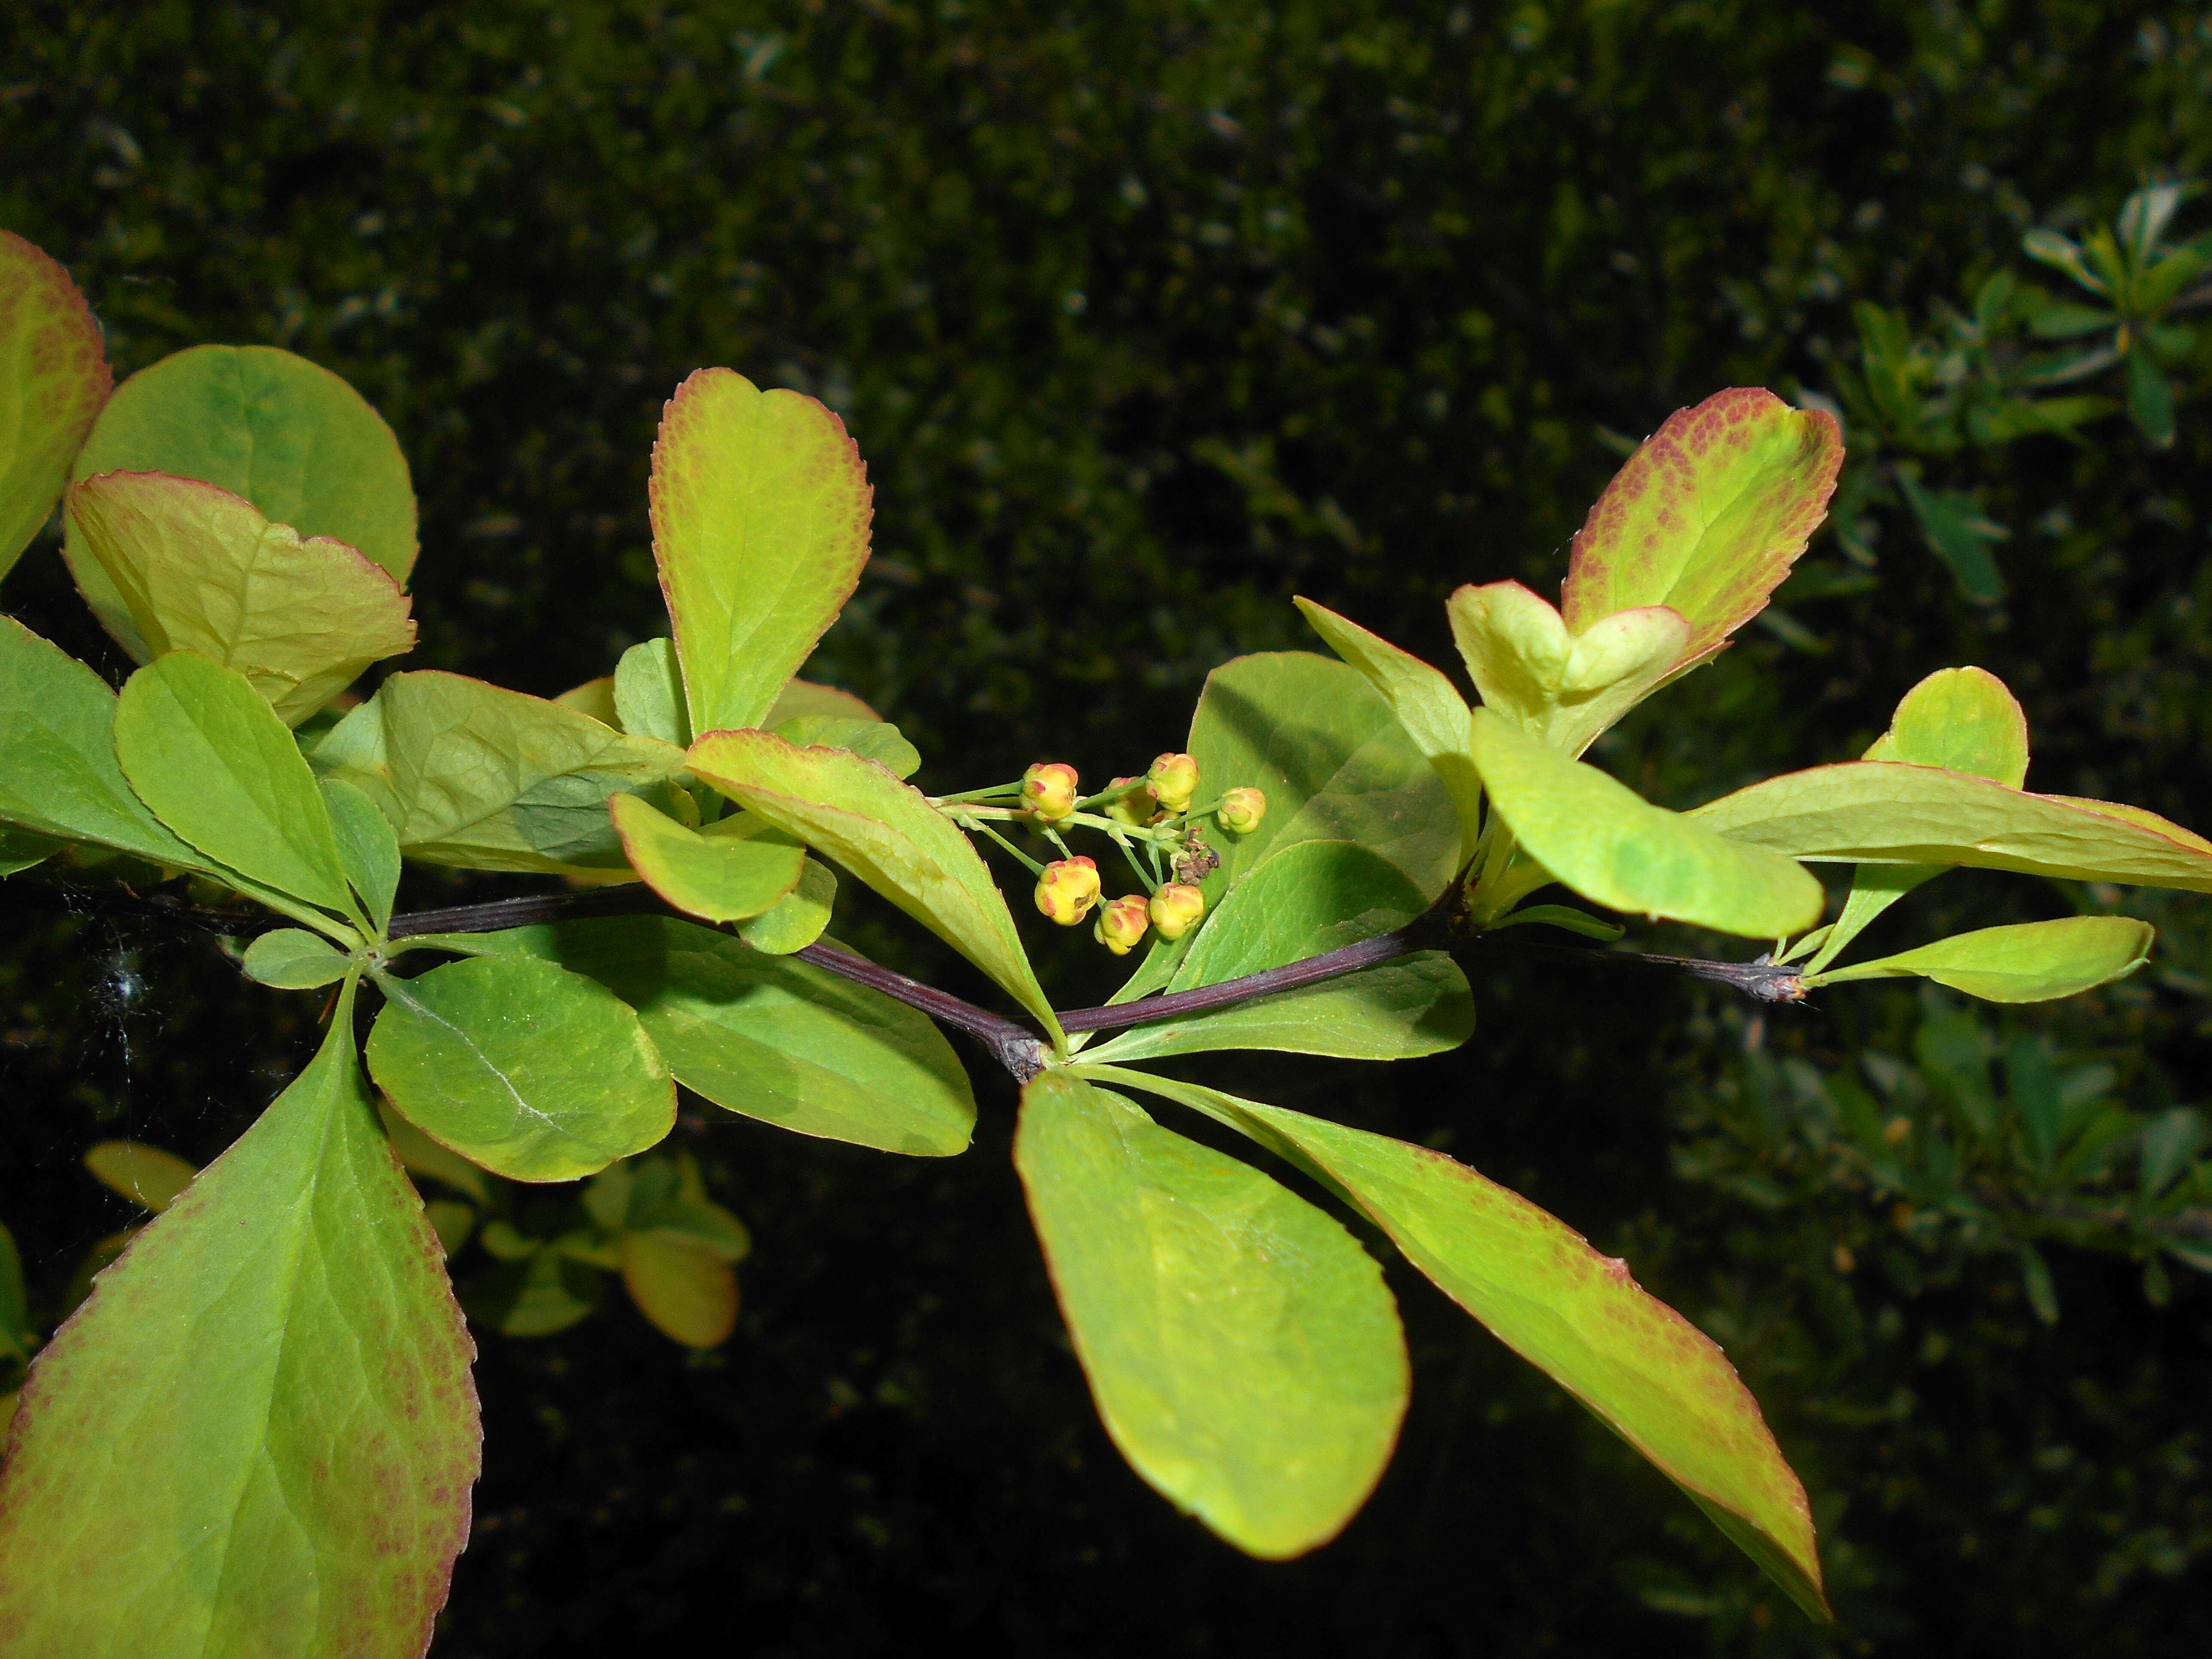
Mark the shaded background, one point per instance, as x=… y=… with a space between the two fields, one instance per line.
x=1146 y=317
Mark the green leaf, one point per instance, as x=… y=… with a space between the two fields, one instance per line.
x=532 y=1072
x=58 y=771
x=1646 y=1372
x=368 y=849
x=734 y=868
x=1564 y=688
x=1613 y=848
x=474 y=776
x=2032 y=962
x=540 y=1295
x=771 y=1037
x=683 y=1286
x=1707 y=516
x=422 y=1156
x=1334 y=761
x=214 y=763
x=595 y=698
x=1419 y=1005
x=648 y=693
x=1427 y=704
x=1310 y=897
x=2067 y=320
x=803 y=699
x=2061 y=253
x=293 y=959
x=292 y=439
x=760 y=525
x=886 y=833
x=876 y=740
x=1881 y=813
x=16 y=1333
x=257 y=1437
x=2150 y=398
x=1241 y=1348
x=200 y=569
x=149 y=1177
x=53 y=379
x=1963 y=719
x=1560 y=915
x=796 y=920
x=20 y=850
x=1957 y=532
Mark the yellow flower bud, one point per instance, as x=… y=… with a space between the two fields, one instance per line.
x=1067 y=890
x=1121 y=925
x=1048 y=789
x=1241 y=811
x=1133 y=805
x=1171 y=779
x=1175 y=908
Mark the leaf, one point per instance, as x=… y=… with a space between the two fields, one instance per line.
x=1707 y=516
x=58 y=771
x=886 y=833
x=1308 y=899
x=1419 y=1005
x=760 y=527
x=1564 y=688
x=734 y=868
x=2061 y=253
x=291 y=438
x=200 y=569
x=293 y=959
x=1426 y=703
x=1643 y=1369
x=532 y=1072
x=803 y=699
x=147 y=1175
x=595 y=698
x=487 y=779
x=876 y=740
x=2032 y=962
x=686 y=1289
x=771 y=1037
x=1240 y=1345
x=541 y=1294
x=256 y=1439
x=422 y=1156
x=1611 y=845
x=2150 y=398
x=1881 y=813
x=1560 y=915
x=368 y=850
x=1334 y=761
x=20 y=850
x=1957 y=532
x=214 y=763
x=53 y=379
x=16 y=1337
x=796 y=920
x=648 y=692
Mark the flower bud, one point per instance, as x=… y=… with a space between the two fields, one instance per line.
x=1121 y=925
x=1067 y=890
x=1048 y=789
x=1171 y=779
x=1133 y=805
x=1241 y=811
x=1175 y=908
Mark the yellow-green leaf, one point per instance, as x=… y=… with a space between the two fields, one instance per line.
x=682 y=1285
x=886 y=833
x=1241 y=1348
x=201 y=569
x=2031 y=962
x=1562 y=687
x=257 y=1438
x=1707 y=516
x=147 y=1175
x=1608 y=844
x=293 y=959
x=649 y=694
x=734 y=868
x=53 y=379
x=797 y=919
x=760 y=525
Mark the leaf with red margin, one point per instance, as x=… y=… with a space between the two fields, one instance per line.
x=53 y=381
x=1708 y=515
x=1643 y=1369
x=257 y=1437
x=761 y=508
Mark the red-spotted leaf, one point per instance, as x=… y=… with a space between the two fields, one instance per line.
x=53 y=379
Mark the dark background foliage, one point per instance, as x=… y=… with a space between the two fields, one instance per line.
x=1147 y=316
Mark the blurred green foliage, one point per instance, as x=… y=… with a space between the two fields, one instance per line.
x=1146 y=317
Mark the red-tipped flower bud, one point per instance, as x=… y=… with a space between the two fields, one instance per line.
x=1241 y=811
x=1067 y=890
x=1121 y=925
x=1175 y=908
x=1171 y=779
x=1133 y=805
x=1048 y=789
